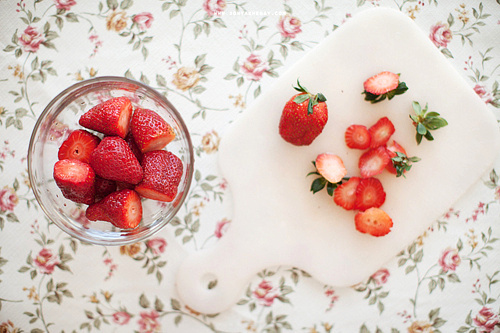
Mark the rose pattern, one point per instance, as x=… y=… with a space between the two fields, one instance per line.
x=157 y=245
x=381 y=276
x=186 y=78
x=221 y=227
x=148 y=323
x=214 y=7
x=31 y=39
x=486 y=320
x=116 y=21
x=289 y=26
x=441 y=34
x=8 y=199
x=449 y=260
x=421 y=327
x=265 y=293
x=143 y=20
x=121 y=317
x=483 y=93
x=254 y=67
x=46 y=261
x=64 y=4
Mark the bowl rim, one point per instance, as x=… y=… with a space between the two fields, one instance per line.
x=188 y=180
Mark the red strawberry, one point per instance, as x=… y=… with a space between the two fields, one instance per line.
x=150 y=130
x=331 y=167
x=303 y=117
x=114 y=160
x=392 y=148
x=133 y=146
x=373 y=221
x=381 y=83
x=76 y=180
x=103 y=187
x=345 y=193
x=373 y=161
x=122 y=208
x=162 y=175
x=79 y=145
x=111 y=117
x=381 y=132
x=357 y=137
x=369 y=193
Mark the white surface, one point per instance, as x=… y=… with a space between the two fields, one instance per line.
x=277 y=216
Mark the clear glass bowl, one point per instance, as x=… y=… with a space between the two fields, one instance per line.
x=60 y=117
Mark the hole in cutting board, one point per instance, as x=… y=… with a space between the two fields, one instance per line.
x=209 y=281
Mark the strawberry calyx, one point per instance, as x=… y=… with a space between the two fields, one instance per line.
x=320 y=182
x=384 y=85
x=403 y=163
x=306 y=95
x=425 y=122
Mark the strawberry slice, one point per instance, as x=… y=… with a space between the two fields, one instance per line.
x=331 y=167
x=162 y=175
x=373 y=161
x=381 y=132
x=150 y=130
x=369 y=193
x=345 y=193
x=76 y=180
x=79 y=145
x=114 y=160
x=357 y=137
x=381 y=83
x=122 y=208
x=373 y=221
x=392 y=148
x=111 y=117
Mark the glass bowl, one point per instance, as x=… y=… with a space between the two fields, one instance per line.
x=60 y=117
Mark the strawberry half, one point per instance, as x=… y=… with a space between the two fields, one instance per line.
x=373 y=221
x=331 y=167
x=373 y=161
x=150 y=130
x=345 y=193
x=162 y=175
x=369 y=193
x=381 y=132
x=357 y=137
x=103 y=187
x=114 y=160
x=79 y=145
x=383 y=85
x=76 y=180
x=111 y=117
x=122 y=208
x=129 y=139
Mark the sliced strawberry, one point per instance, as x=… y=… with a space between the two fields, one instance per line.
x=150 y=130
x=357 y=137
x=369 y=193
x=122 y=208
x=76 y=180
x=373 y=221
x=331 y=167
x=162 y=175
x=381 y=132
x=373 y=161
x=381 y=83
x=345 y=193
x=114 y=160
x=111 y=117
x=103 y=187
x=79 y=145
x=392 y=148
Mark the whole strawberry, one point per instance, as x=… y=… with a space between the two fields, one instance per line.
x=303 y=118
x=114 y=160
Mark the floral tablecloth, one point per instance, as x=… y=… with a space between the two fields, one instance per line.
x=213 y=58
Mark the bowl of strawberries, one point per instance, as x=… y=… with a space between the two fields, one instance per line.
x=110 y=161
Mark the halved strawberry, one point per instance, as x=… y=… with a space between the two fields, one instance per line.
x=150 y=130
x=79 y=145
x=345 y=193
x=373 y=221
x=122 y=208
x=114 y=160
x=373 y=161
x=392 y=148
x=103 y=187
x=129 y=139
x=162 y=175
x=357 y=137
x=76 y=180
x=369 y=193
x=111 y=117
x=331 y=167
x=381 y=83
x=381 y=132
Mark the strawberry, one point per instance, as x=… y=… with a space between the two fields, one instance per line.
x=150 y=130
x=373 y=161
x=392 y=148
x=162 y=175
x=400 y=163
x=76 y=180
x=369 y=193
x=111 y=117
x=383 y=85
x=331 y=167
x=103 y=187
x=122 y=208
x=133 y=146
x=79 y=145
x=114 y=160
x=303 y=117
x=357 y=137
x=345 y=193
x=373 y=221
x=381 y=132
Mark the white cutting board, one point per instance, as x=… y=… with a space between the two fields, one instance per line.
x=278 y=221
